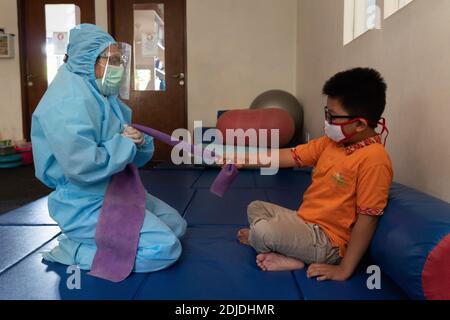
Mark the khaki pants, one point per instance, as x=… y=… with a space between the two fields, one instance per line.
x=277 y=229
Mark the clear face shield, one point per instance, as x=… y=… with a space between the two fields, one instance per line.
x=116 y=60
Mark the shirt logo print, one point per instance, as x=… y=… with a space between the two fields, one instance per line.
x=339 y=179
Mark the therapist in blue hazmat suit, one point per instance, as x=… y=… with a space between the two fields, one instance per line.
x=81 y=138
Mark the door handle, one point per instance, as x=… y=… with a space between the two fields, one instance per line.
x=178 y=76
x=30 y=79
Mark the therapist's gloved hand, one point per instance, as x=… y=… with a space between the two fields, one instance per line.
x=135 y=135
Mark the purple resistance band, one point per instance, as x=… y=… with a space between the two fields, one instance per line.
x=226 y=176
x=119 y=226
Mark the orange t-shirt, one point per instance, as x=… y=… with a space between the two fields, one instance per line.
x=346 y=181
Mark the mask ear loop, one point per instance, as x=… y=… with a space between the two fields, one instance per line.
x=347 y=123
x=382 y=122
x=106 y=66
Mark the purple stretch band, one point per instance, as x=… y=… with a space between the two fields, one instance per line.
x=226 y=176
x=119 y=225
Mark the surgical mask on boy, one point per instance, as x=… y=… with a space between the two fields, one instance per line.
x=336 y=131
x=112 y=80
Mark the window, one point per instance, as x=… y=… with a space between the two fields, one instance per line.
x=149 y=53
x=59 y=19
x=392 y=6
x=360 y=16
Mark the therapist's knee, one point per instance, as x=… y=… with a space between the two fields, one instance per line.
x=179 y=224
x=182 y=228
x=159 y=256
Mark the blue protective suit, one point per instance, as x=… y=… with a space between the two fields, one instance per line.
x=78 y=146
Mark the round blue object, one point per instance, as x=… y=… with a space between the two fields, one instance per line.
x=11 y=158
x=8 y=165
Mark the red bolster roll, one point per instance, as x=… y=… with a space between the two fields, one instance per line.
x=257 y=119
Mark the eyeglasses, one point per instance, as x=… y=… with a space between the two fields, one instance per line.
x=330 y=118
x=115 y=60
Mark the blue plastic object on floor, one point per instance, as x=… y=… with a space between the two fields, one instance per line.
x=10 y=165
x=11 y=158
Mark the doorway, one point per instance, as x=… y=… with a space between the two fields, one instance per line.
x=43 y=33
x=156 y=29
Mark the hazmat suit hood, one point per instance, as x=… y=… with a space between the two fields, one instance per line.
x=86 y=43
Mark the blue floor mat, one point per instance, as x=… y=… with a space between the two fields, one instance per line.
x=18 y=242
x=177 y=198
x=169 y=178
x=35 y=213
x=214 y=266
x=245 y=179
x=353 y=289
x=36 y=279
x=207 y=208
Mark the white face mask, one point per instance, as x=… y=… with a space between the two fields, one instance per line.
x=335 y=132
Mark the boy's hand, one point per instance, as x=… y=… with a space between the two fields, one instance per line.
x=328 y=272
x=135 y=135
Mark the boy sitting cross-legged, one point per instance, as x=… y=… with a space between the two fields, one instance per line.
x=352 y=174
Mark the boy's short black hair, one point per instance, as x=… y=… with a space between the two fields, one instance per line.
x=361 y=91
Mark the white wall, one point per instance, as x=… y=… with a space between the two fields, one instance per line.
x=237 y=50
x=10 y=100
x=101 y=14
x=412 y=52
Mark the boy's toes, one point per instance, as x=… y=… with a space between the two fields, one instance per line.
x=261 y=265
x=261 y=257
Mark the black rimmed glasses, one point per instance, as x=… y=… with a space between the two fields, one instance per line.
x=330 y=118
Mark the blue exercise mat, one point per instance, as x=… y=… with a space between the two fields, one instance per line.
x=35 y=213
x=153 y=179
x=214 y=266
x=353 y=289
x=245 y=179
x=206 y=208
x=18 y=242
x=35 y=279
x=177 y=198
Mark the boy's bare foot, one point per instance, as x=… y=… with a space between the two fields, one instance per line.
x=277 y=262
x=243 y=236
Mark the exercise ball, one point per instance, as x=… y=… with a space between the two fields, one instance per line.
x=257 y=119
x=280 y=99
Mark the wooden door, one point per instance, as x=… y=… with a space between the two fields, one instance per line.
x=39 y=20
x=156 y=29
